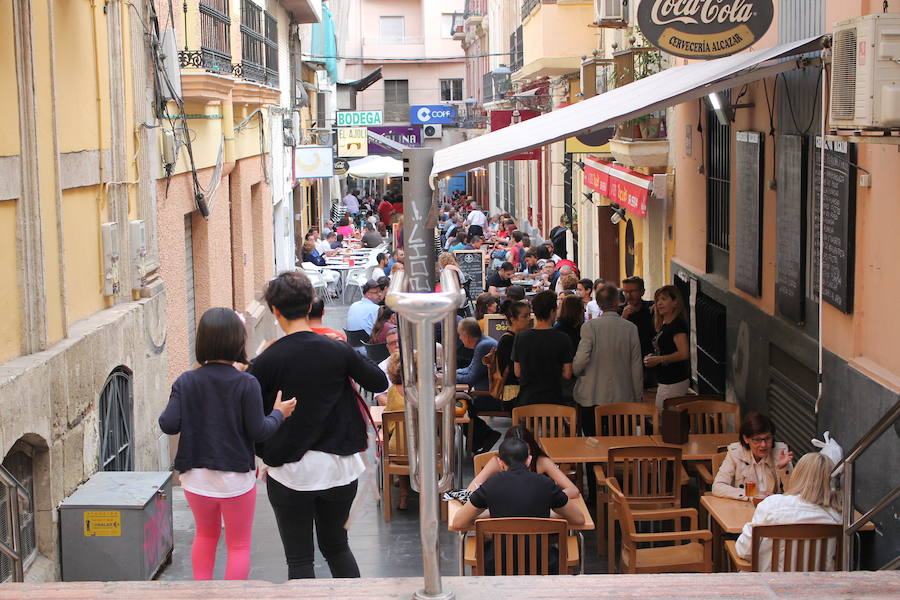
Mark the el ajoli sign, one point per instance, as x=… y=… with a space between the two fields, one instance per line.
x=704 y=28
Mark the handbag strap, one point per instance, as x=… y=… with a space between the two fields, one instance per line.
x=364 y=408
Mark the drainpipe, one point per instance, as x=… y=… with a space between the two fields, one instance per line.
x=99 y=96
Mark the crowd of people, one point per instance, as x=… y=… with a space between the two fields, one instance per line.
x=297 y=405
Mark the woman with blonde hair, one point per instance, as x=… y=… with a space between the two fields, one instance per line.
x=446 y=260
x=672 y=351
x=809 y=498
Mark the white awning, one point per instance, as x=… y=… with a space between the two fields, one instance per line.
x=661 y=90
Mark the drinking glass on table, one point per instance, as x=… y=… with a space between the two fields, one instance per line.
x=750 y=489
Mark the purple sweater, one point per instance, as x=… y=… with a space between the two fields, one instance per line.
x=218 y=411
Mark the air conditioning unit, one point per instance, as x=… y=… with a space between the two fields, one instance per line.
x=432 y=131
x=865 y=73
x=607 y=12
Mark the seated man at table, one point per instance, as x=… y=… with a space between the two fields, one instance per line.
x=501 y=278
x=530 y=265
x=362 y=313
x=517 y=491
x=476 y=376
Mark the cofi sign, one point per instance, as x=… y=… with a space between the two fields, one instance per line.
x=360 y=118
x=704 y=28
x=432 y=114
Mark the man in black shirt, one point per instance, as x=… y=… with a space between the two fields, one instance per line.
x=516 y=491
x=638 y=311
x=542 y=356
x=501 y=278
x=530 y=264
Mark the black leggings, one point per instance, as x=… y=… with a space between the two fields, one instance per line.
x=295 y=513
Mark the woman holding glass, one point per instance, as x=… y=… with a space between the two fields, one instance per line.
x=672 y=357
x=757 y=465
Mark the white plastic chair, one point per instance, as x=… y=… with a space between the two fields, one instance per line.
x=356 y=278
x=332 y=278
x=318 y=282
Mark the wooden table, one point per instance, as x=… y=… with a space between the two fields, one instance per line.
x=728 y=515
x=454 y=505
x=595 y=449
x=590 y=449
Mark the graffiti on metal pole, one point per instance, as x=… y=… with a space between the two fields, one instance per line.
x=418 y=228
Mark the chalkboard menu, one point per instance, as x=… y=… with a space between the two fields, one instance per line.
x=839 y=223
x=471 y=262
x=495 y=326
x=790 y=231
x=748 y=204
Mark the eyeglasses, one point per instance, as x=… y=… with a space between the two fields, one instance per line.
x=762 y=439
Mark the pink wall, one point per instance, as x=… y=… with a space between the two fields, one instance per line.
x=212 y=259
x=424 y=83
x=251 y=212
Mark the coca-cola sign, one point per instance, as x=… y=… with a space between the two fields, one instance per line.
x=704 y=28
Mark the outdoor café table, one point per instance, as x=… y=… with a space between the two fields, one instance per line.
x=590 y=449
x=342 y=269
x=461 y=423
x=588 y=525
x=700 y=446
x=728 y=515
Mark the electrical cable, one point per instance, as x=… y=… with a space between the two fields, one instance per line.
x=812 y=117
x=319 y=57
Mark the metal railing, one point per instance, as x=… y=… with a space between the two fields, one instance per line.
x=215 y=42
x=849 y=462
x=528 y=6
x=419 y=312
x=11 y=550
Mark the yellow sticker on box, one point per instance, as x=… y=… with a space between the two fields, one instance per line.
x=102 y=523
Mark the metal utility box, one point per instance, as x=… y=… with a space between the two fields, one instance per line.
x=117 y=527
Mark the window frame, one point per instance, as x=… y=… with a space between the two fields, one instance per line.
x=452 y=81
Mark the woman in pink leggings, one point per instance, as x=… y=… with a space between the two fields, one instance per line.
x=218 y=411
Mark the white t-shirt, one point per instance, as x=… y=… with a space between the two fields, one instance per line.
x=323 y=246
x=476 y=217
x=318 y=471
x=592 y=310
x=217 y=484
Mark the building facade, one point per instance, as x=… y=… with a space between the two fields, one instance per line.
x=137 y=191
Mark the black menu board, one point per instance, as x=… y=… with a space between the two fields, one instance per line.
x=471 y=262
x=839 y=223
x=790 y=233
x=749 y=165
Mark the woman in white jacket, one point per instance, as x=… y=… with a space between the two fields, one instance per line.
x=809 y=499
x=756 y=457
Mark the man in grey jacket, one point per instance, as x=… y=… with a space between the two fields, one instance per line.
x=608 y=361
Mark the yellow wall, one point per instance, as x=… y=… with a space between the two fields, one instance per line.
x=247 y=141
x=84 y=269
x=205 y=135
x=76 y=71
x=559 y=30
x=9 y=95
x=9 y=289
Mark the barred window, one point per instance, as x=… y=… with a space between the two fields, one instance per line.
x=259 y=44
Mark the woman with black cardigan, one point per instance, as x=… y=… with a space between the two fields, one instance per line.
x=314 y=460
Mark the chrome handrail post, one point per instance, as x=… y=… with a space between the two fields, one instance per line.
x=418 y=313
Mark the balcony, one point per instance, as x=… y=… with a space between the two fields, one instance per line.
x=553 y=38
x=382 y=48
x=304 y=11
x=259 y=45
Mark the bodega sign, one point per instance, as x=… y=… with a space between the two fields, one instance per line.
x=704 y=28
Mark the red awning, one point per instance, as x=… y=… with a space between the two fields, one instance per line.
x=630 y=189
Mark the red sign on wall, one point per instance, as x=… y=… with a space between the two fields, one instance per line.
x=500 y=119
x=629 y=189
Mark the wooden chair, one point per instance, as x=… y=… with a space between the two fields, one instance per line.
x=711 y=416
x=618 y=418
x=650 y=477
x=547 y=420
x=691 y=557
x=625 y=418
x=395 y=456
x=551 y=420
x=679 y=400
x=708 y=475
x=481 y=460
x=522 y=545
x=795 y=547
